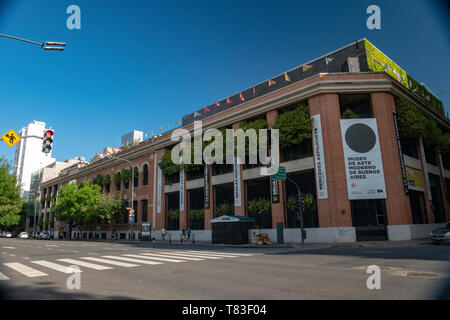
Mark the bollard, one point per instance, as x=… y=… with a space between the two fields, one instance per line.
x=280 y=235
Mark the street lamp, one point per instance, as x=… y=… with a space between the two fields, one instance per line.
x=110 y=156
x=46 y=45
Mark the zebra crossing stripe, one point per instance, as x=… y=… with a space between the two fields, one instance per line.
x=85 y=264
x=223 y=253
x=132 y=260
x=154 y=258
x=23 y=269
x=171 y=256
x=115 y=263
x=55 y=266
x=182 y=255
x=3 y=277
x=209 y=254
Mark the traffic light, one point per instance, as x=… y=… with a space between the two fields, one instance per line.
x=48 y=140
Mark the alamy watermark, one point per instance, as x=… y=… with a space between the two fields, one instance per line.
x=374 y=20
x=374 y=281
x=74 y=20
x=74 y=280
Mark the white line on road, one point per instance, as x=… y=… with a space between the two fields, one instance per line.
x=8 y=247
x=181 y=255
x=55 y=266
x=223 y=253
x=3 y=277
x=27 y=271
x=153 y=258
x=115 y=263
x=132 y=260
x=85 y=264
x=170 y=256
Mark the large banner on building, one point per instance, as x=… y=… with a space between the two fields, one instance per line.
x=158 y=196
x=363 y=162
x=181 y=190
x=415 y=179
x=321 y=177
x=207 y=189
x=237 y=182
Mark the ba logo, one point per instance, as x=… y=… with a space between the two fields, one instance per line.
x=380 y=190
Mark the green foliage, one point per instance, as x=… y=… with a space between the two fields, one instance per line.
x=310 y=202
x=173 y=214
x=40 y=222
x=259 y=206
x=294 y=126
x=292 y=205
x=196 y=214
x=10 y=199
x=413 y=124
x=98 y=180
x=48 y=198
x=106 y=180
x=255 y=125
x=125 y=175
x=117 y=178
x=224 y=209
x=107 y=208
x=349 y=114
x=167 y=166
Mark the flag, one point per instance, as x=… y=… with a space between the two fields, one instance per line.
x=177 y=122
x=217 y=104
x=286 y=77
x=168 y=126
x=196 y=114
x=152 y=133
x=160 y=128
x=306 y=67
x=328 y=60
x=241 y=96
x=205 y=109
x=271 y=83
x=228 y=100
x=254 y=91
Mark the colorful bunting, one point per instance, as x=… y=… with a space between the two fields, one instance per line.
x=168 y=126
x=228 y=100
x=306 y=67
x=271 y=83
x=286 y=77
x=177 y=122
x=196 y=114
x=160 y=128
x=328 y=60
x=205 y=109
x=241 y=97
x=217 y=104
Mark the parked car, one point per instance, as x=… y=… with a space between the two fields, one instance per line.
x=23 y=235
x=441 y=235
x=7 y=234
x=44 y=235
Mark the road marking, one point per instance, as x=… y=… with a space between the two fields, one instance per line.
x=222 y=253
x=26 y=258
x=52 y=245
x=55 y=266
x=153 y=258
x=12 y=255
x=170 y=256
x=8 y=247
x=27 y=271
x=93 y=253
x=181 y=255
x=74 y=251
x=116 y=263
x=85 y=264
x=132 y=260
x=3 y=277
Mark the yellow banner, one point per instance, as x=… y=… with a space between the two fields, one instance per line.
x=415 y=178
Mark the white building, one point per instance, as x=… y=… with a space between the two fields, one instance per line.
x=132 y=137
x=29 y=156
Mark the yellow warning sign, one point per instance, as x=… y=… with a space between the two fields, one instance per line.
x=11 y=138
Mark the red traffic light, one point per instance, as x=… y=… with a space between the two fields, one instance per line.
x=48 y=133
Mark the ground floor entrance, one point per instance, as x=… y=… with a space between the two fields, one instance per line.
x=369 y=219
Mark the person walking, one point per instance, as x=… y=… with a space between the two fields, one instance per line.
x=188 y=233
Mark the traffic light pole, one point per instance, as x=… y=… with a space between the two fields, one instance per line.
x=300 y=205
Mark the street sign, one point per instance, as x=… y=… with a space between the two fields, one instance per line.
x=11 y=138
x=280 y=173
x=131 y=218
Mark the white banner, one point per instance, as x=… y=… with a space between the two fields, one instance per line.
x=181 y=190
x=237 y=182
x=425 y=169
x=158 y=196
x=362 y=157
x=321 y=177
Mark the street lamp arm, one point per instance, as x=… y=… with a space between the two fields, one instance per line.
x=46 y=45
x=20 y=39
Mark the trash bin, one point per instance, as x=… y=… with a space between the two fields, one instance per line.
x=229 y=229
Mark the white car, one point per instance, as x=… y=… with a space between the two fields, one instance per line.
x=23 y=235
x=8 y=235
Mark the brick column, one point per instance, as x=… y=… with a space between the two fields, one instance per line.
x=209 y=214
x=330 y=210
x=444 y=196
x=397 y=203
x=276 y=208
x=240 y=211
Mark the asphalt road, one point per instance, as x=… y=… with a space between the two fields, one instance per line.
x=32 y=269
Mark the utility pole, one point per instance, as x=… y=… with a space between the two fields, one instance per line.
x=300 y=207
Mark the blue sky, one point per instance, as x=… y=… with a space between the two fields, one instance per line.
x=120 y=71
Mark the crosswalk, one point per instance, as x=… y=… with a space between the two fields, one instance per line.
x=42 y=268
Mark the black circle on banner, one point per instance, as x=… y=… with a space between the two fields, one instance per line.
x=360 y=138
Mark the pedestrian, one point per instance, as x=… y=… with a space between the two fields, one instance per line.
x=183 y=231
x=163 y=233
x=188 y=233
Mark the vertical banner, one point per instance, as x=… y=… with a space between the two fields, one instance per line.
x=275 y=191
x=321 y=177
x=181 y=190
x=425 y=169
x=362 y=157
x=206 y=189
x=158 y=196
x=400 y=153
x=237 y=182
x=443 y=175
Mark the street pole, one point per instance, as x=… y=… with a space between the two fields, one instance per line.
x=300 y=204
x=46 y=45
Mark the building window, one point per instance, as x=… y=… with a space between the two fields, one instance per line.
x=430 y=154
x=135 y=208
x=136 y=177
x=409 y=147
x=144 y=206
x=437 y=203
x=418 y=208
x=219 y=169
x=172 y=178
x=145 y=175
x=356 y=105
x=446 y=160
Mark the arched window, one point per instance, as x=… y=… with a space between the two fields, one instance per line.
x=145 y=175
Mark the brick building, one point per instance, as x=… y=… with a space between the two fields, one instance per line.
x=405 y=196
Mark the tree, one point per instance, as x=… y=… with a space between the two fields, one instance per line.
x=294 y=126
x=10 y=199
x=107 y=208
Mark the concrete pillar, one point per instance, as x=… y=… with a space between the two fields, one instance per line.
x=398 y=206
x=444 y=196
x=334 y=211
x=276 y=208
x=240 y=211
x=430 y=213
